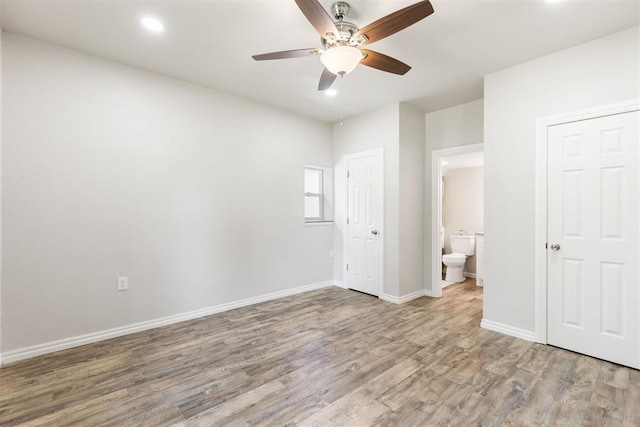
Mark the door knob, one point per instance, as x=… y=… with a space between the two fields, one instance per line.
x=374 y=232
x=555 y=247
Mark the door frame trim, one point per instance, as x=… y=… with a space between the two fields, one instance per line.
x=345 y=159
x=436 y=210
x=540 y=251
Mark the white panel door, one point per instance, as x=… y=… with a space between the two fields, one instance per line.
x=364 y=223
x=593 y=277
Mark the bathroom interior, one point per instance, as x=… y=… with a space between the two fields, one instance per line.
x=462 y=233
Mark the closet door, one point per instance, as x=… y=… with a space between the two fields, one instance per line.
x=593 y=233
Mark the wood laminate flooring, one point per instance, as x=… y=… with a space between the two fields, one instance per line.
x=327 y=357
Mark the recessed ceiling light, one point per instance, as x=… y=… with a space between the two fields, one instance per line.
x=331 y=92
x=152 y=24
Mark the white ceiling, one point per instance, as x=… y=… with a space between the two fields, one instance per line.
x=210 y=43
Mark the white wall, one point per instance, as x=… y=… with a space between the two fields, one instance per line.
x=411 y=200
x=379 y=128
x=596 y=73
x=463 y=206
x=110 y=171
x=448 y=128
x=455 y=126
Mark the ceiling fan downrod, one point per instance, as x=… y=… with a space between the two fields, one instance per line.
x=340 y=9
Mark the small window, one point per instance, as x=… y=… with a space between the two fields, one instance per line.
x=313 y=194
x=318 y=195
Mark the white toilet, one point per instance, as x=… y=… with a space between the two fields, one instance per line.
x=461 y=248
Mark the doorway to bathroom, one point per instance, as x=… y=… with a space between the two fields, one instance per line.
x=457 y=216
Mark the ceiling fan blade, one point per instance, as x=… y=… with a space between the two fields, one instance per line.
x=296 y=53
x=317 y=16
x=326 y=79
x=394 y=22
x=384 y=63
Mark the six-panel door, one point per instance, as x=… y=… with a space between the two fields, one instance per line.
x=593 y=215
x=364 y=213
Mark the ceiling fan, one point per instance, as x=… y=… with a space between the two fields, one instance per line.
x=342 y=41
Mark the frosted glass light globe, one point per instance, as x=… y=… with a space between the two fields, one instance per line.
x=341 y=60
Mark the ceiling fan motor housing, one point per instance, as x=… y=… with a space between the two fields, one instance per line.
x=346 y=30
x=340 y=9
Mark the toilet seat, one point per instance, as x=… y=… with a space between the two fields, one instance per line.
x=454 y=256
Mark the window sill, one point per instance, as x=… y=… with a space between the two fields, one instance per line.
x=317 y=223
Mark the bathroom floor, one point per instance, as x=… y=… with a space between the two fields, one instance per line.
x=466 y=290
x=467 y=282
x=445 y=283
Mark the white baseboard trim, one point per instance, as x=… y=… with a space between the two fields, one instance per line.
x=429 y=293
x=63 y=344
x=402 y=299
x=390 y=298
x=469 y=275
x=339 y=284
x=508 y=330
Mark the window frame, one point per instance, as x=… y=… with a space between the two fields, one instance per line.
x=319 y=196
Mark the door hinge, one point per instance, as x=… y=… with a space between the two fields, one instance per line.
x=347 y=267
x=546 y=245
x=347 y=221
x=347 y=174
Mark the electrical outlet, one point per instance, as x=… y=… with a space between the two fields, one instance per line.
x=123 y=283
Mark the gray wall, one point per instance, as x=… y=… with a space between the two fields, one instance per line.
x=379 y=128
x=1 y=186
x=596 y=73
x=452 y=127
x=399 y=129
x=110 y=171
x=411 y=201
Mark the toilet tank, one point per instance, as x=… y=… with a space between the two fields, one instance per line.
x=463 y=244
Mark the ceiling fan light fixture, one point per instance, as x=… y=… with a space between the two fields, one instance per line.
x=341 y=60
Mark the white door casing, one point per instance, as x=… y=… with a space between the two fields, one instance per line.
x=593 y=296
x=436 y=211
x=364 y=231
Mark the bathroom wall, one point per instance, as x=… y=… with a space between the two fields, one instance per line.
x=462 y=207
